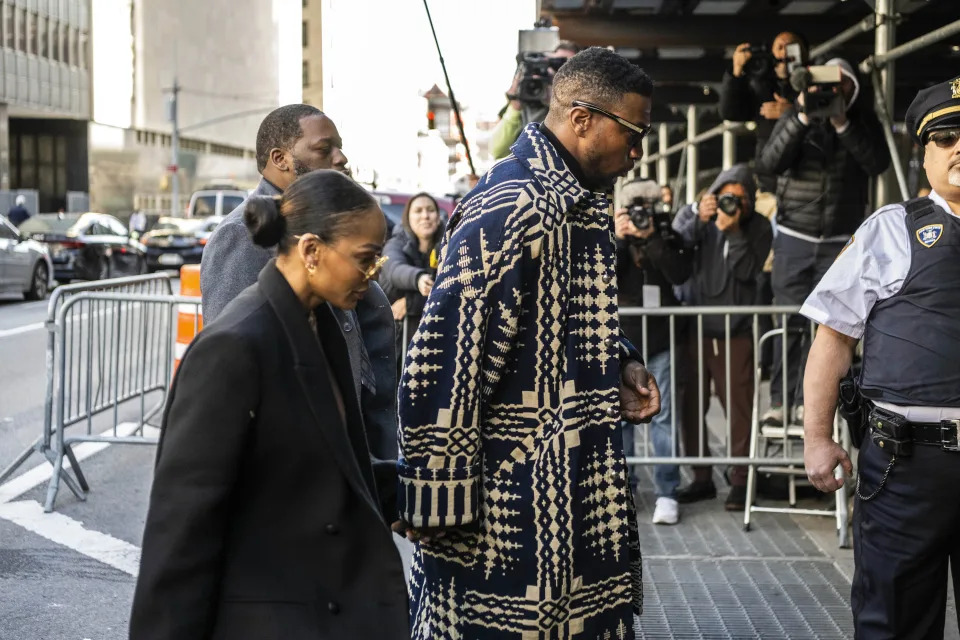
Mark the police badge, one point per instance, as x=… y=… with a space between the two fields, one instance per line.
x=929 y=234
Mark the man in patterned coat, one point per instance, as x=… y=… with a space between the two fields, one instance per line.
x=512 y=471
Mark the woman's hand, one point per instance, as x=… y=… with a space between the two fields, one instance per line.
x=425 y=284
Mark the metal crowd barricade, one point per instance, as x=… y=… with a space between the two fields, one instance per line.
x=110 y=349
x=788 y=437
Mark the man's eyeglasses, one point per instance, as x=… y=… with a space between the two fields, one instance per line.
x=640 y=131
x=945 y=138
x=369 y=271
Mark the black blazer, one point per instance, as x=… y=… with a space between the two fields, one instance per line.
x=264 y=518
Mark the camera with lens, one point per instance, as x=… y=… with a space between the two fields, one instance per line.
x=761 y=62
x=820 y=86
x=727 y=203
x=643 y=214
x=535 y=77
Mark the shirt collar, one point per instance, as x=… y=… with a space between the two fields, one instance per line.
x=572 y=163
x=939 y=201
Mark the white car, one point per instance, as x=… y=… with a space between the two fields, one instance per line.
x=25 y=265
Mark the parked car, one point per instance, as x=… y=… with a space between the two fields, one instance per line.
x=393 y=203
x=87 y=246
x=177 y=241
x=214 y=202
x=25 y=265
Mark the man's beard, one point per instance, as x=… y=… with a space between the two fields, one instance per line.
x=300 y=168
x=953 y=176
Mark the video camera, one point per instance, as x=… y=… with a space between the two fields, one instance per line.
x=646 y=208
x=534 y=69
x=762 y=60
x=820 y=86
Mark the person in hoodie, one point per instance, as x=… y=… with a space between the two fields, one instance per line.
x=823 y=170
x=412 y=250
x=729 y=252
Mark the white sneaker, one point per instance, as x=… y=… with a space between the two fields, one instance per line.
x=667 y=511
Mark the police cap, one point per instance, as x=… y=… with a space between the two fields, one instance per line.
x=934 y=108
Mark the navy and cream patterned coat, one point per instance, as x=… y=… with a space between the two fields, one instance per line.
x=509 y=417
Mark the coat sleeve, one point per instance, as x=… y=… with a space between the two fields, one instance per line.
x=211 y=404
x=399 y=277
x=864 y=140
x=748 y=249
x=454 y=364
x=506 y=133
x=737 y=101
x=230 y=264
x=686 y=225
x=670 y=258
x=783 y=145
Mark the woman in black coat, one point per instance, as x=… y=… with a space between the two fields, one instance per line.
x=268 y=520
x=412 y=251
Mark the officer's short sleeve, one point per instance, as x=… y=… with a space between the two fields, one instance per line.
x=872 y=267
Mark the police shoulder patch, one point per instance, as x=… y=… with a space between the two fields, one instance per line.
x=928 y=235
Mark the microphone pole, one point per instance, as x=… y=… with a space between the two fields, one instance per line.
x=453 y=100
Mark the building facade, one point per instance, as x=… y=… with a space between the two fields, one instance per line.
x=45 y=98
x=312 y=39
x=223 y=54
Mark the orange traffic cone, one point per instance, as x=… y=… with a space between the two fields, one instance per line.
x=189 y=316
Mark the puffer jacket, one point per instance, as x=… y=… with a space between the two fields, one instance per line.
x=823 y=176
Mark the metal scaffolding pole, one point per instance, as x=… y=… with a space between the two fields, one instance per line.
x=663 y=168
x=645 y=167
x=886 y=121
x=693 y=153
x=885 y=38
x=868 y=23
x=907 y=48
x=729 y=148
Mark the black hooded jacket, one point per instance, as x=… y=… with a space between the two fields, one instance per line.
x=822 y=175
x=405 y=266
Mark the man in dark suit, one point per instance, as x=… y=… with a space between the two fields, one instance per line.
x=293 y=140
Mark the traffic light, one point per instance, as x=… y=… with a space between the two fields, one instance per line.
x=431 y=119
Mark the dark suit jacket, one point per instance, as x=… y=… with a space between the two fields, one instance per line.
x=230 y=264
x=264 y=521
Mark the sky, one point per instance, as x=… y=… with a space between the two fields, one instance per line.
x=380 y=55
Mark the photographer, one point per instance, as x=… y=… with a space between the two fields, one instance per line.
x=651 y=259
x=521 y=110
x=757 y=88
x=823 y=153
x=730 y=244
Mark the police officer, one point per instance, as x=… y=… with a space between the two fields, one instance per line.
x=895 y=286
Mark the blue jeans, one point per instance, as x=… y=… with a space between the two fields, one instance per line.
x=666 y=477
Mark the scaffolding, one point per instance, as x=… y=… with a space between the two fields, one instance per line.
x=879 y=66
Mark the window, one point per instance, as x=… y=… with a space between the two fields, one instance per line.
x=44 y=51
x=6 y=233
x=32 y=28
x=82 y=55
x=9 y=28
x=304 y=36
x=55 y=34
x=21 y=30
x=306 y=73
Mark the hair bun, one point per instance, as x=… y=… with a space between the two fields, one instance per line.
x=266 y=225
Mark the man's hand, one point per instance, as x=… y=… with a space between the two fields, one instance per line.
x=839 y=121
x=707 y=209
x=426 y=534
x=512 y=91
x=728 y=224
x=741 y=56
x=820 y=457
x=425 y=284
x=624 y=227
x=775 y=108
x=399 y=309
x=639 y=393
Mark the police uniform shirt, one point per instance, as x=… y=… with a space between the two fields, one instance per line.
x=872 y=268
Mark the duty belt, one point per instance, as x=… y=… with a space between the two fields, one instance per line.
x=945 y=434
x=897 y=435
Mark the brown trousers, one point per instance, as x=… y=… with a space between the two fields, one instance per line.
x=741 y=399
